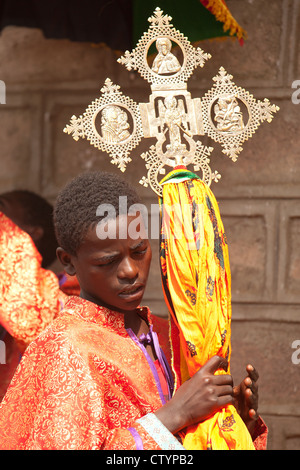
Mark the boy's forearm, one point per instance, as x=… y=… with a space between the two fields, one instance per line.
x=170 y=417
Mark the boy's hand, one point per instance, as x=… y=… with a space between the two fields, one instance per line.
x=246 y=398
x=199 y=397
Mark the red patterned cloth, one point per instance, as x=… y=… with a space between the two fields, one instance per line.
x=82 y=384
x=260 y=435
x=30 y=296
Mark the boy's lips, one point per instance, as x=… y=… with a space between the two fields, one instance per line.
x=132 y=292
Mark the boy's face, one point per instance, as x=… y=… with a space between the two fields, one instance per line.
x=113 y=272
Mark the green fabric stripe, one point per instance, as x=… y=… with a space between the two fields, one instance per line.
x=190 y=17
x=179 y=174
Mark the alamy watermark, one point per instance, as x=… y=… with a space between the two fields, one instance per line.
x=2 y=92
x=296 y=354
x=2 y=352
x=178 y=221
x=296 y=93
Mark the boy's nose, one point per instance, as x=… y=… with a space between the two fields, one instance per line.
x=127 y=269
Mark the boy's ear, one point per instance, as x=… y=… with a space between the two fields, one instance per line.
x=66 y=261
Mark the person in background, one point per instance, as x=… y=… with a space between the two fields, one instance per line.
x=31 y=294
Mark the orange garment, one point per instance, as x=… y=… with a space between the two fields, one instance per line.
x=30 y=296
x=197 y=287
x=85 y=383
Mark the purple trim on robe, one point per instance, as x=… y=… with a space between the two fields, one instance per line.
x=61 y=279
x=150 y=362
x=137 y=438
x=163 y=362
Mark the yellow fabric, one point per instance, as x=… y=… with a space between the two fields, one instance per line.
x=197 y=287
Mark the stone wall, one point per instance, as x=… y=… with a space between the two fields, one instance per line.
x=47 y=81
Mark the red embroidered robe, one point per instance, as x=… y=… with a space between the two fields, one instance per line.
x=82 y=384
x=30 y=296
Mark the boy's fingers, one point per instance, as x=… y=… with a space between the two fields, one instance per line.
x=213 y=364
x=225 y=390
x=253 y=374
x=253 y=414
x=250 y=384
x=225 y=400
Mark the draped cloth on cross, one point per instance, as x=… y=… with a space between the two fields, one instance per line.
x=197 y=288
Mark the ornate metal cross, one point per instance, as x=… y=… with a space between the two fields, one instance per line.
x=114 y=123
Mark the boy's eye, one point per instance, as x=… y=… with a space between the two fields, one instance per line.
x=106 y=262
x=141 y=252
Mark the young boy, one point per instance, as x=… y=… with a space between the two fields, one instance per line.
x=97 y=378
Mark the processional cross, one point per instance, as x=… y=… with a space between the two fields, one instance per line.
x=115 y=124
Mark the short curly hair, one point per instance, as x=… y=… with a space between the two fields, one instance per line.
x=76 y=205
